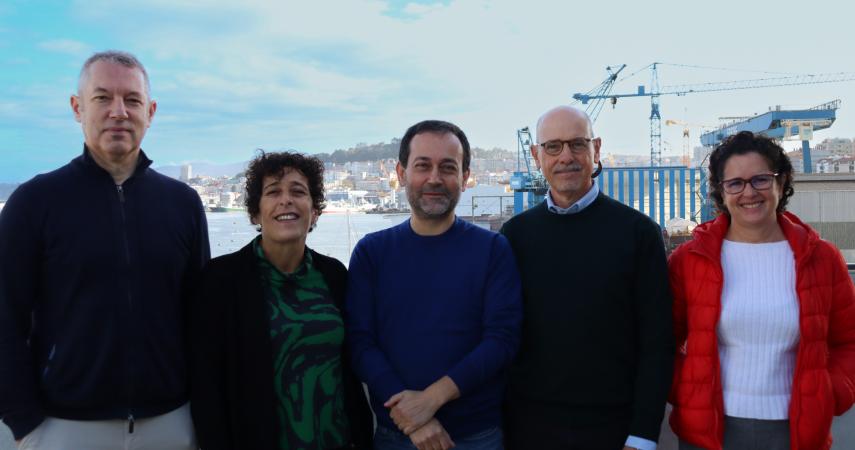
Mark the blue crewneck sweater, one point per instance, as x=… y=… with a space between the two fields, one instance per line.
x=422 y=307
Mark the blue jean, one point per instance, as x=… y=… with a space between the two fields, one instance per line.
x=489 y=439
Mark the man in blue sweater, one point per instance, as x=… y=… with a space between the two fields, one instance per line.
x=97 y=259
x=433 y=308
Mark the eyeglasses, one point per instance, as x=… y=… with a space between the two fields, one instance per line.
x=577 y=146
x=758 y=182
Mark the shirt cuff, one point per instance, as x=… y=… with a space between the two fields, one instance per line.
x=640 y=443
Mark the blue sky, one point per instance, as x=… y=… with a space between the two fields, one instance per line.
x=316 y=76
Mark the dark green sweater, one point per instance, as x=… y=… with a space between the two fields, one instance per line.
x=597 y=344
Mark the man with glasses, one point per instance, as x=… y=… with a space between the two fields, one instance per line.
x=596 y=355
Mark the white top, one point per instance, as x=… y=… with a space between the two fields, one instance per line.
x=758 y=330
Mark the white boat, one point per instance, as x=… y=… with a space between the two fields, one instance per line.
x=342 y=207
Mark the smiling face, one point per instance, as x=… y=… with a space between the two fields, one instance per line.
x=751 y=208
x=114 y=110
x=434 y=176
x=568 y=174
x=286 y=212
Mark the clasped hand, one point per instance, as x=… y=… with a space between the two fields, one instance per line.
x=410 y=410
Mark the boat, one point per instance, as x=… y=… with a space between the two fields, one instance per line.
x=224 y=209
x=342 y=207
x=388 y=211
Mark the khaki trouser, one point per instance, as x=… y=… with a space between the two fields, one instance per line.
x=170 y=431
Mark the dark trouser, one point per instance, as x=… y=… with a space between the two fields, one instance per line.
x=525 y=430
x=752 y=434
x=490 y=439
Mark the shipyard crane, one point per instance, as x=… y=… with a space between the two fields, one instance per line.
x=601 y=92
x=527 y=179
x=781 y=123
x=686 y=138
x=682 y=89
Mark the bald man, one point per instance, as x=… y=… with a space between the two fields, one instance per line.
x=596 y=355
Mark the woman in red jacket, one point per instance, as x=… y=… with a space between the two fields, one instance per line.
x=764 y=315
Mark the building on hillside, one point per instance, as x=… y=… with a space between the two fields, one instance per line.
x=186 y=173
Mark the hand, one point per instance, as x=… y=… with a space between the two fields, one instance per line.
x=431 y=436
x=410 y=410
x=626 y=447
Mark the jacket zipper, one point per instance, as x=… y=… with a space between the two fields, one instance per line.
x=129 y=379
x=795 y=399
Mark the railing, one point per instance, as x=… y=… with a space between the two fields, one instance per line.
x=660 y=192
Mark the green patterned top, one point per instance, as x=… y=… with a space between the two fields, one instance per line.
x=307 y=333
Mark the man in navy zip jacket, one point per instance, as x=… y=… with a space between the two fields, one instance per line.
x=96 y=262
x=434 y=308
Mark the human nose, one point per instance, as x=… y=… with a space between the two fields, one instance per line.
x=567 y=155
x=118 y=110
x=433 y=176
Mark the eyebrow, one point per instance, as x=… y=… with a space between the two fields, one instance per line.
x=99 y=90
x=294 y=182
x=274 y=183
x=442 y=161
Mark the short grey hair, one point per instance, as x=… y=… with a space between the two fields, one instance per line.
x=116 y=57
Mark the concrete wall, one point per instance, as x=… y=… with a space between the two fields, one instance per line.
x=827 y=203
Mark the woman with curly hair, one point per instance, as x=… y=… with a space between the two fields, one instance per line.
x=269 y=368
x=764 y=315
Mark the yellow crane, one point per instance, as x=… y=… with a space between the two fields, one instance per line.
x=686 y=126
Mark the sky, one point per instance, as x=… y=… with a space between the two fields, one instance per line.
x=315 y=76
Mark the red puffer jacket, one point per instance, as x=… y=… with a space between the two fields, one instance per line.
x=824 y=378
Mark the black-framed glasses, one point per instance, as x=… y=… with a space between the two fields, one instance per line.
x=577 y=146
x=758 y=182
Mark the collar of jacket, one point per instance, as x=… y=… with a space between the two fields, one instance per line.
x=708 y=237
x=87 y=163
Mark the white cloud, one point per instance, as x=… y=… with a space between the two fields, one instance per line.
x=419 y=9
x=66 y=46
x=494 y=66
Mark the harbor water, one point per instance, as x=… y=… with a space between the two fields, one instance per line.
x=337 y=233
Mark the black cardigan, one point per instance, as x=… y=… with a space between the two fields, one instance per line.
x=231 y=391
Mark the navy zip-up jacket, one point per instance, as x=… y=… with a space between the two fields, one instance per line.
x=94 y=283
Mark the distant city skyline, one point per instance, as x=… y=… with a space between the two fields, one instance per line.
x=231 y=77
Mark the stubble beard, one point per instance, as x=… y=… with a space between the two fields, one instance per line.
x=432 y=209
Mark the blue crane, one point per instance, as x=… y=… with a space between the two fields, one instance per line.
x=780 y=124
x=655 y=92
x=527 y=180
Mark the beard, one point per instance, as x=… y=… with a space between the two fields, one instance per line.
x=432 y=207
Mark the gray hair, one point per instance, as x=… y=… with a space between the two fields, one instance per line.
x=116 y=57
